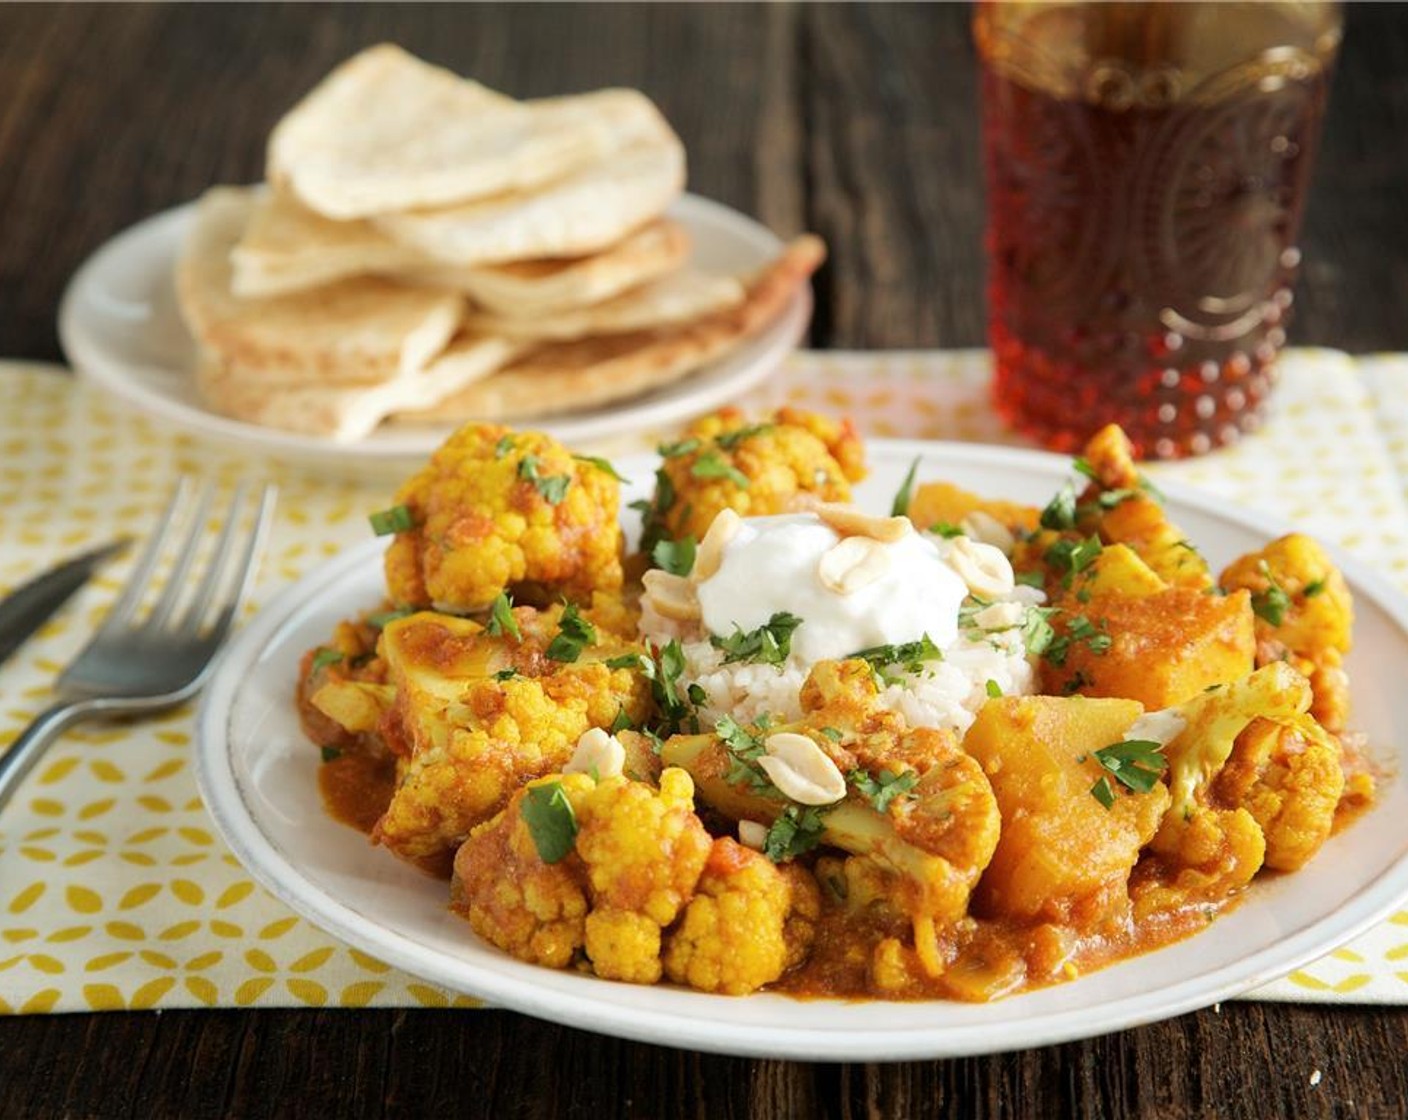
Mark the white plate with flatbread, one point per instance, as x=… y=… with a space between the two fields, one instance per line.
x=122 y=330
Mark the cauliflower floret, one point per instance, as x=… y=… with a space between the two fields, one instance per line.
x=752 y=468
x=477 y=715
x=749 y=922
x=497 y=511
x=1304 y=614
x=533 y=910
x=643 y=851
x=1288 y=776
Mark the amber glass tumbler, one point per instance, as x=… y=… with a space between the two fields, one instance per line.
x=1147 y=166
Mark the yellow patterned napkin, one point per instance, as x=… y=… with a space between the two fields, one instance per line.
x=114 y=890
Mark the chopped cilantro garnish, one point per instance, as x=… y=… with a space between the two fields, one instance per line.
x=1104 y=793
x=574 y=633
x=552 y=487
x=622 y=722
x=1069 y=557
x=325 y=657
x=1272 y=604
x=744 y=749
x=384 y=617
x=397 y=519
x=769 y=644
x=1135 y=763
x=899 y=507
x=675 y=450
x=994 y=689
x=501 y=620
x=1033 y=578
x=1313 y=588
x=909 y=656
x=713 y=465
x=602 y=465
x=946 y=529
x=1081 y=465
x=551 y=822
x=663 y=669
x=653 y=510
x=729 y=440
x=798 y=830
x=835 y=734
x=330 y=753
x=675 y=557
x=503 y=447
x=1060 y=512
x=1037 y=631
x=884 y=786
x=506 y=674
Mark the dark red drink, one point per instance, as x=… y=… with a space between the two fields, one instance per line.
x=1147 y=167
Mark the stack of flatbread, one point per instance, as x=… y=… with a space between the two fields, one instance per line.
x=428 y=250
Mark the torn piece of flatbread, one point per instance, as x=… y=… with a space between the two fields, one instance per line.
x=361 y=331
x=582 y=212
x=678 y=298
x=530 y=289
x=344 y=413
x=287 y=247
x=386 y=131
x=574 y=376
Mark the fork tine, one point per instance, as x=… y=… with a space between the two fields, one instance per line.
x=131 y=596
x=185 y=557
x=195 y=612
x=242 y=576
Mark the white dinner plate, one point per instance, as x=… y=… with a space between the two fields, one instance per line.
x=121 y=328
x=259 y=778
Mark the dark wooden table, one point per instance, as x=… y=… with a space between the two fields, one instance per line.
x=856 y=122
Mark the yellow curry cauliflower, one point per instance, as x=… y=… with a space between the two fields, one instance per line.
x=644 y=851
x=1304 y=615
x=530 y=909
x=476 y=715
x=751 y=468
x=749 y=922
x=496 y=510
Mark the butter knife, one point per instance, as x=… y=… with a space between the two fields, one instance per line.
x=26 y=608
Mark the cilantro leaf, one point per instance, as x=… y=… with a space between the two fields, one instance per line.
x=883 y=786
x=1135 y=763
x=602 y=465
x=713 y=465
x=325 y=657
x=397 y=519
x=381 y=618
x=1104 y=793
x=798 y=830
x=729 y=440
x=1037 y=631
x=993 y=689
x=675 y=450
x=899 y=507
x=501 y=620
x=574 y=633
x=1070 y=557
x=909 y=656
x=675 y=557
x=551 y=822
x=503 y=446
x=1060 y=512
x=1272 y=604
x=769 y=644
x=553 y=487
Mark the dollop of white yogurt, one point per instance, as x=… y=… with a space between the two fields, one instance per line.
x=770 y=565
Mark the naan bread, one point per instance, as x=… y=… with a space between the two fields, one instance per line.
x=582 y=212
x=287 y=247
x=574 y=376
x=360 y=332
x=385 y=131
x=530 y=289
x=677 y=298
x=341 y=412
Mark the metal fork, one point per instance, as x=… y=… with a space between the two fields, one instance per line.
x=143 y=661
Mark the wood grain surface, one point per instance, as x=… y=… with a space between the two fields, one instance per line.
x=857 y=122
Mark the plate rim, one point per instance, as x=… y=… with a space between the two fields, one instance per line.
x=728 y=376
x=216 y=775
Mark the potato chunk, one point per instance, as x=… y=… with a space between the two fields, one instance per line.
x=1159 y=649
x=1062 y=855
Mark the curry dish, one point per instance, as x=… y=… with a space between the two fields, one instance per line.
x=954 y=749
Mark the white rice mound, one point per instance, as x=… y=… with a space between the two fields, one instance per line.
x=946 y=693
